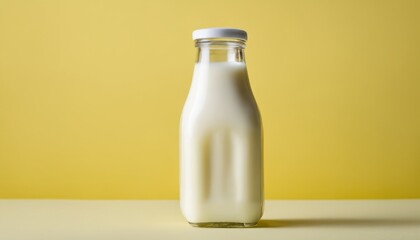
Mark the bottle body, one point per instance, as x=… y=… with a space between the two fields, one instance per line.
x=221 y=165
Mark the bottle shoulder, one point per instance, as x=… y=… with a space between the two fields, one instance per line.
x=221 y=93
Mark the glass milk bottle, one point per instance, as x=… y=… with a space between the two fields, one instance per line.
x=221 y=145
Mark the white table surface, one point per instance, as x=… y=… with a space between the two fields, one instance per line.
x=129 y=219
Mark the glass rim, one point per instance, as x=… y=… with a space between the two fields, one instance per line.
x=228 y=42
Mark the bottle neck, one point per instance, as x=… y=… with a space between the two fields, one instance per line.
x=220 y=50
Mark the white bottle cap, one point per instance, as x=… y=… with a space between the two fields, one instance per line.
x=219 y=33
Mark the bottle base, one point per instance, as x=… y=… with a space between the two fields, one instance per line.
x=223 y=224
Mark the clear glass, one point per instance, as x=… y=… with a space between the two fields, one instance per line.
x=221 y=172
x=220 y=50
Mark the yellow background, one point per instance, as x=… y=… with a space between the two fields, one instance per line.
x=91 y=94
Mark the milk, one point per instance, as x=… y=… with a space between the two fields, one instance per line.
x=221 y=175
